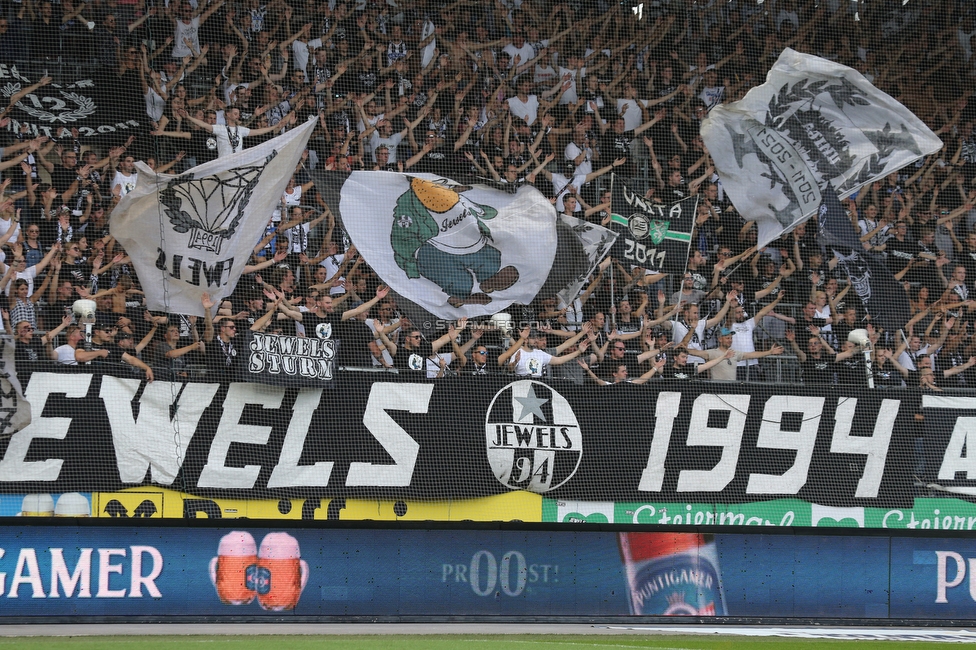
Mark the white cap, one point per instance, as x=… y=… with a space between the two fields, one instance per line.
x=237 y=543
x=37 y=505
x=72 y=504
x=279 y=546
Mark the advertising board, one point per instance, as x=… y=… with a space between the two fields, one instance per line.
x=125 y=570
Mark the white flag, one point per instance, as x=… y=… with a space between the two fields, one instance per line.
x=813 y=121
x=194 y=233
x=15 y=411
x=455 y=250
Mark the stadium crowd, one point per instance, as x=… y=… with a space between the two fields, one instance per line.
x=553 y=94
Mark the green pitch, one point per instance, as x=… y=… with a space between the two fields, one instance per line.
x=452 y=642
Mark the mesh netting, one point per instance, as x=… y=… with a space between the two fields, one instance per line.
x=474 y=261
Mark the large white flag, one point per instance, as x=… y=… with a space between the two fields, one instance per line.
x=195 y=232
x=456 y=250
x=813 y=121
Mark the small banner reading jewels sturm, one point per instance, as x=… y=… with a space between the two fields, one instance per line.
x=290 y=360
x=813 y=121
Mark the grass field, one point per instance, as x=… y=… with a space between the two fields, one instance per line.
x=404 y=642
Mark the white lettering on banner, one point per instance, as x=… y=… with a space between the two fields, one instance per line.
x=81 y=578
x=791 y=165
x=512 y=574
x=14 y=467
x=105 y=571
x=402 y=448
x=963 y=436
x=874 y=448
x=657 y=209
x=216 y=473
x=729 y=438
x=287 y=472
x=942 y=583
x=772 y=436
x=666 y=410
x=311 y=358
x=27 y=560
x=149 y=581
x=28 y=572
x=155 y=440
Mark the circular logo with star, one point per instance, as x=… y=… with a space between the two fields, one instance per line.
x=532 y=437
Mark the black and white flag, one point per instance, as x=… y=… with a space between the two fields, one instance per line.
x=15 y=411
x=194 y=233
x=81 y=103
x=655 y=236
x=882 y=296
x=813 y=122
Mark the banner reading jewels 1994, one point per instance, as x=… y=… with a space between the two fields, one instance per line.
x=690 y=442
x=253 y=571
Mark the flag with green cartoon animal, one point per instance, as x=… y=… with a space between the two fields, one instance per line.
x=457 y=250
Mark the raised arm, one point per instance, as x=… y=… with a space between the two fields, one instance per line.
x=381 y=293
x=515 y=347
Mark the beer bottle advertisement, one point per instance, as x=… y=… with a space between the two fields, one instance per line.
x=672 y=574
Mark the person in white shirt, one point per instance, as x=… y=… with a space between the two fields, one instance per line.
x=529 y=355
x=186 y=35
x=523 y=104
x=742 y=336
x=579 y=152
x=230 y=135
x=292 y=195
x=518 y=47
x=384 y=135
x=28 y=273
x=689 y=332
x=301 y=46
x=125 y=177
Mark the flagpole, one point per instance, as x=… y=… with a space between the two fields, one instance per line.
x=613 y=286
x=613 y=298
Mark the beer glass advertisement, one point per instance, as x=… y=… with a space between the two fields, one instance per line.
x=259 y=571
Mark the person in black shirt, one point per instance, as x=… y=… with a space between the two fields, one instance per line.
x=679 y=368
x=900 y=249
x=222 y=356
x=203 y=144
x=817 y=362
x=103 y=340
x=887 y=371
x=29 y=350
x=356 y=344
x=616 y=141
x=929 y=378
x=952 y=356
x=433 y=157
x=415 y=351
x=64 y=176
x=479 y=357
x=849 y=364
